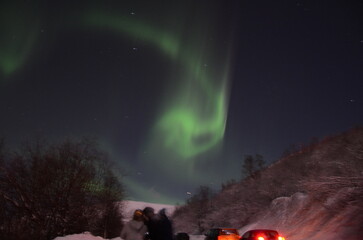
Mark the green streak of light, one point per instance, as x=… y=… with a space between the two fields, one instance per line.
x=137 y=30
x=19 y=32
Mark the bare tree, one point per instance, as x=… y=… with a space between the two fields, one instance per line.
x=201 y=205
x=252 y=164
x=248 y=167
x=54 y=190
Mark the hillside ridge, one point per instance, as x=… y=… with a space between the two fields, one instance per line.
x=325 y=177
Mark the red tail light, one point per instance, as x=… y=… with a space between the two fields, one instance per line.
x=281 y=238
x=260 y=238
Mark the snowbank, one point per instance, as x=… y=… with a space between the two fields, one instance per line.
x=89 y=236
x=82 y=236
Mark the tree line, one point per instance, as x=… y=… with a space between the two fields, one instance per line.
x=50 y=190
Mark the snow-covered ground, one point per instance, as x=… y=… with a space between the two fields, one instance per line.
x=82 y=236
x=88 y=236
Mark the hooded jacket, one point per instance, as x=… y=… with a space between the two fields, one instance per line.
x=133 y=230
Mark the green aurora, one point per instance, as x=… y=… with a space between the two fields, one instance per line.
x=19 y=25
x=193 y=120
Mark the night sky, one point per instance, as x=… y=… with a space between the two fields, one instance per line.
x=178 y=92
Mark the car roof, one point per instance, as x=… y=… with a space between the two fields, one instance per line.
x=261 y=230
x=224 y=228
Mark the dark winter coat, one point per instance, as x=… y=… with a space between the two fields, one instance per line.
x=159 y=228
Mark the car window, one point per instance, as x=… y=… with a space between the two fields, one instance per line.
x=272 y=233
x=228 y=232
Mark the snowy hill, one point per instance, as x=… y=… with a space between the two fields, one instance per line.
x=299 y=217
x=313 y=193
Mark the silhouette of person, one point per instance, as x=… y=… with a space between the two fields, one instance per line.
x=159 y=226
x=166 y=228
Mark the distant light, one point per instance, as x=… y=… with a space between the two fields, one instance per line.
x=189 y=193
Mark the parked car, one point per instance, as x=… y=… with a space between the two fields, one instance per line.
x=262 y=234
x=222 y=234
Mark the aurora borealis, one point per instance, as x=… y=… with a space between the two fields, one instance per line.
x=193 y=110
x=178 y=92
x=194 y=119
x=19 y=27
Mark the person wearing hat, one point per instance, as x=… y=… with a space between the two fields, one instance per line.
x=135 y=229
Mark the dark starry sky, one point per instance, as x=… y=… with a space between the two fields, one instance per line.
x=119 y=70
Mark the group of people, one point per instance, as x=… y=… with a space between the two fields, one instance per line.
x=148 y=225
